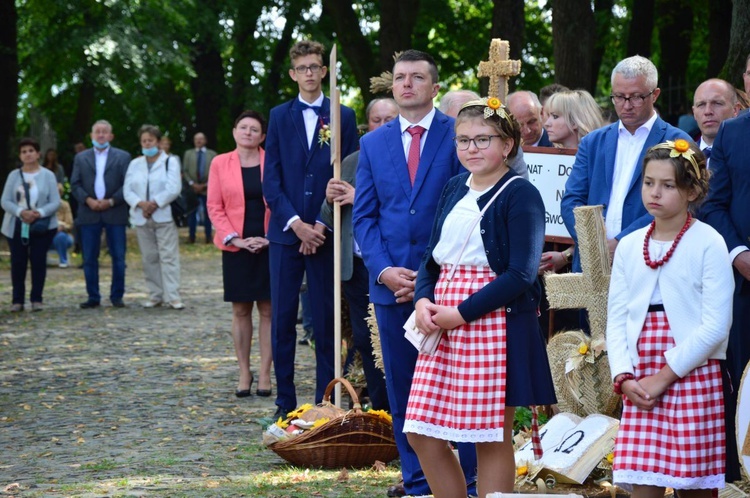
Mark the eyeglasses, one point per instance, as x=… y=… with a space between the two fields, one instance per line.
x=635 y=100
x=481 y=142
x=315 y=69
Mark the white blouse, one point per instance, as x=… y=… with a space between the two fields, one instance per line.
x=455 y=230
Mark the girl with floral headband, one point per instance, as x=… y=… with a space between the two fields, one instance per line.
x=491 y=356
x=670 y=308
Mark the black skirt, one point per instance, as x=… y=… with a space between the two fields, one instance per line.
x=247 y=277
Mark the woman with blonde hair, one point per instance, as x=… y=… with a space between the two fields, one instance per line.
x=571 y=115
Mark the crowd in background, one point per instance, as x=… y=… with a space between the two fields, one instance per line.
x=267 y=205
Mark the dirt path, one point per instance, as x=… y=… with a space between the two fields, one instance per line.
x=90 y=395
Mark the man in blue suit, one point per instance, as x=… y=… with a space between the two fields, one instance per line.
x=394 y=208
x=726 y=209
x=296 y=172
x=607 y=169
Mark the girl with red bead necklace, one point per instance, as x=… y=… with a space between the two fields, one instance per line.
x=670 y=309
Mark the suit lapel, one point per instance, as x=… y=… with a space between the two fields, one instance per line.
x=395 y=148
x=610 y=153
x=298 y=122
x=654 y=137
x=435 y=138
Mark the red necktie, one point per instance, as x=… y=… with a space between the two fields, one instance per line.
x=413 y=160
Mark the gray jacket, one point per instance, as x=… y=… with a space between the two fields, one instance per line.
x=13 y=199
x=82 y=186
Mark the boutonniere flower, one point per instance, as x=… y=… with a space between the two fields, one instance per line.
x=324 y=134
x=587 y=351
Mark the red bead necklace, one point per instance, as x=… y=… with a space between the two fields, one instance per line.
x=647 y=257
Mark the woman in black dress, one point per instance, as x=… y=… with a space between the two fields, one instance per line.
x=240 y=216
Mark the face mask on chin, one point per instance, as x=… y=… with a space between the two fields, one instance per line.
x=151 y=151
x=100 y=146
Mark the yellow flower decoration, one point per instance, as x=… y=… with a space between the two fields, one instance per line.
x=494 y=103
x=299 y=411
x=384 y=415
x=282 y=424
x=610 y=458
x=522 y=470
x=324 y=135
x=583 y=348
x=492 y=106
x=681 y=147
x=319 y=422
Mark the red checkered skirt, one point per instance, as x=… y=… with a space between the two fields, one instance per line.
x=458 y=394
x=681 y=442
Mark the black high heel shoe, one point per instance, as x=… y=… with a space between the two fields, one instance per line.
x=264 y=393
x=246 y=392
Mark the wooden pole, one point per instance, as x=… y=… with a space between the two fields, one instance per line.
x=336 y=163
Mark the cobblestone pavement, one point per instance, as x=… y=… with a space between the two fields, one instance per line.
x=108 y=393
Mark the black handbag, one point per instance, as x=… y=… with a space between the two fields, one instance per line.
x=41 y=225
x=180 y=206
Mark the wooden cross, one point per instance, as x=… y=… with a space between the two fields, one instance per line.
x=589 y=289
x=498 y=69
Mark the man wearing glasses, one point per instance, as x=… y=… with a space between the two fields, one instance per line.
x=296 y=172
x=607 y=169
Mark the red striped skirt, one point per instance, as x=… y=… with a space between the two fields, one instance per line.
x=458 y=394
x=681 y=442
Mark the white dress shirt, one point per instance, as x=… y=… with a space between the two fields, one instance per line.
x=100 y=189
x=629 y=147
x=425 y=123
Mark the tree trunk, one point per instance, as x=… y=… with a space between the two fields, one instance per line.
x=675 y=31
x=508 y=23
x=208 y=85
x=9 y=84
x=242 y=91
x=352 y=43
x=641 y=28
x=603 y=20
x=397 y=21
x=572 y=33
x=280 y=60
x=719 y=17
x=84 y=116
x=739 y=44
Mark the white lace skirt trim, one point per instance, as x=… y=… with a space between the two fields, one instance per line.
x=455 y=435
x=624 y=478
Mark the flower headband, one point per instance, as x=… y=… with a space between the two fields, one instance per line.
x=492 y=107
x=681 y=147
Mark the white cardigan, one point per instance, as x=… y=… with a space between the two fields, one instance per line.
x=164 y=187
x=696 y=286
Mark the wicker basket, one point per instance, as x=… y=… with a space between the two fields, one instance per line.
x=355 y=439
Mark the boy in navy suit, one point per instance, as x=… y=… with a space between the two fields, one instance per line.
x=296 y=172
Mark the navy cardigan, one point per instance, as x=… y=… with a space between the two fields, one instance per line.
x=513 y=235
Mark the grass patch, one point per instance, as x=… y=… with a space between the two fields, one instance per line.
x=101 y=465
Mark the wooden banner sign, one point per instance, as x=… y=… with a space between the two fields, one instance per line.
x=742 y=421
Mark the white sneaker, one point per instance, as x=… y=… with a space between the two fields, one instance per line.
x=152 y=304
x=177 y=305
x=63 y=265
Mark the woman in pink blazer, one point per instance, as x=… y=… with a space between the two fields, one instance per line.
x=240 y=217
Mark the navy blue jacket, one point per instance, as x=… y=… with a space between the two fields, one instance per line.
x=513 y=235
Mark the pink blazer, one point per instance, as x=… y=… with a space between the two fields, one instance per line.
x=226 y=198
